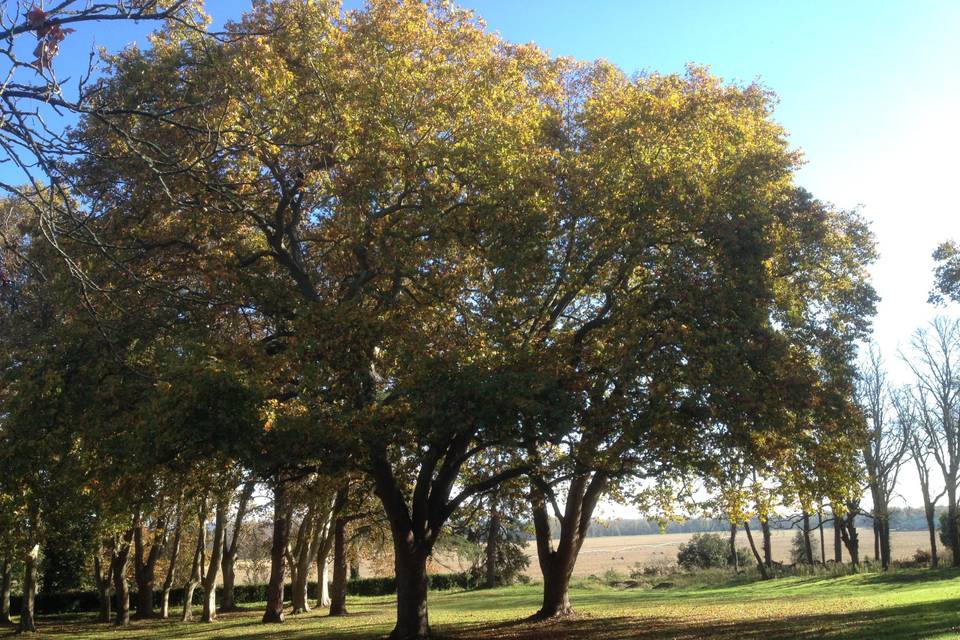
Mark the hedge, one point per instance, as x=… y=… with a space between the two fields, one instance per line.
x=85 y=601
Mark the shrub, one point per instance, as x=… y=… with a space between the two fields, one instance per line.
x=921 y=556
x=946 y=528
x=798 y=552
x=704 y=551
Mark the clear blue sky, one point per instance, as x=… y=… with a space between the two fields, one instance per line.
x=869 y=90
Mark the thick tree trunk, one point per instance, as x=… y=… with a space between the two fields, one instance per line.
x=6 y=583
x=823 y=545
x=281 y=536
x=171 y=568
x=145 y=567
x=338 y=591
x=876 y=540
x=121 y=590
x=493 y=538
x=216 y=554
x=756 y=554
x=883 y=527
x=851 y=539
x=231 y=548
x=410 y=567
x=952 y=516
x=557 y=564
x=103 y=581
x=27 y=621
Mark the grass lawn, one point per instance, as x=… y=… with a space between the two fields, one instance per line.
x=904 y=604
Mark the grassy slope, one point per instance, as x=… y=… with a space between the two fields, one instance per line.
x=906 y=604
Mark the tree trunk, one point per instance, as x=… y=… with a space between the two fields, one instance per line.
x=557 y=564
x=121 y=590
x=145 y=568
x=952 y=516
x=837 y=541
x=767 y=543
x=27 y=621
x=216 y=554
x=102 y=579
x=355 y=569
x=756 y=554
x=338 y=591
x=231 y=547
x=932 y=529
x=6 y=582
x=823 y=546
x=734 y=560
x=281 y=536
x=884 y=530
x=850 y=537
x=171 y=568
x=807 y=545
x=196 y=565
x=493 y=536
x=876 y=540
x=410 y=567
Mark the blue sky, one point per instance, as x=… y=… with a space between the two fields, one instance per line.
x=869 y=90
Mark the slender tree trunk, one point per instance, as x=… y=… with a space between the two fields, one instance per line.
x=196 y=565
x=807 y=546
x=734 y=560
x=884 y=529
x=27 y=621
x=121 y=590
x=355 y=569
x=932 y=529
x=761 y=565
x=6 y=583
x=171 y=568
x=281 y=536
x=102 y=579
x=231 y=548
x=876 y=540
x=767 y=543
x=493 y=538
x=338 y=591
x=837 y=540
x=216 y=554
x=823 y=546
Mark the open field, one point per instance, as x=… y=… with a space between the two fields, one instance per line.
x=902 y=604
x=621 y=553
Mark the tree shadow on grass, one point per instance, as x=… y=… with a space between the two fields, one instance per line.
x=901 y=622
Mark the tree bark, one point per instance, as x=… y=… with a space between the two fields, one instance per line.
x=807 y=545
x=102 y=578
x=823 y=546
x=281 y=536
x=410 y=567
x=121 y=590
x=493 y=537
x=557 y=565
x=767 y=543
x=734 y=560
x=27 y=621
x=171 y=568
x=952 y=516
x=338 y=590
x=837 y=540
x=6 y=583
x=761 y=565
x=216 y=554
x=932 y=529
x=231 y=548
x=850 y=537
x=145 y=568
x=196 y=566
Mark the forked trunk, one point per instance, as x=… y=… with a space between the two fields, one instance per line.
x=231 y=548
x=145 y=566
x=196 y=565
x=281 y=536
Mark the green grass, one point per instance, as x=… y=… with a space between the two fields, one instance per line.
x=902 y=604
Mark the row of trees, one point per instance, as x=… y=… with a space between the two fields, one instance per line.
x=392 y=268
